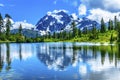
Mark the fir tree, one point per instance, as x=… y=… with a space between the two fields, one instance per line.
x=79 y=33
x=103 y=27
x=1 y=23
x=7 y=16
x=118 y=30
x=74 y=29
x=94 y=34
x=85 y=30
x=115 y=23
x=20 y=30
x=111 y=38
x=110 y=25
x=8 y=25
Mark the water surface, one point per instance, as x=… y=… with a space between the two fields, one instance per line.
x=59 y=61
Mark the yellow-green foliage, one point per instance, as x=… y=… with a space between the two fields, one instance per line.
x=102 y=38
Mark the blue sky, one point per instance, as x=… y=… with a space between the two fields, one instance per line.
x=33 y=10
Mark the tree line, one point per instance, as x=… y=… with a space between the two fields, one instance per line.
x=112 y=25
x=74 y=33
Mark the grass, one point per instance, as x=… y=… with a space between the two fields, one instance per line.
x=103 y=38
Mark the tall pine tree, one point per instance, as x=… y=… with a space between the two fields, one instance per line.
x=115 y=23
x=103 y=27
x=20 y=30
x=118 y=30
x=74 y=29
x=1 y=23
x=110 y=25
x=8 y=25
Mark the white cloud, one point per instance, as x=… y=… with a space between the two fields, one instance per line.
x=112 y=6
x=5 y=21
x=2 y=5
x=82 y=9
x=82 y=69
x=98 y=9
x=24 y=25
x=97 y=14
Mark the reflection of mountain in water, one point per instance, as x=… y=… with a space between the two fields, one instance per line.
x=59 y=56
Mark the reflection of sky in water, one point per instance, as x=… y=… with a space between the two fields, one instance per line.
x=58 y=61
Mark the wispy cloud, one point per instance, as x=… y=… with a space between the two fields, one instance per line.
x=82 y=9
x=2 y=5
x=55 y=2
x=71 y=2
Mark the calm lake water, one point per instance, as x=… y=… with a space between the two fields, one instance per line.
x=59 y=61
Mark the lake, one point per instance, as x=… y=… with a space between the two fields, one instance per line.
x=59 y=61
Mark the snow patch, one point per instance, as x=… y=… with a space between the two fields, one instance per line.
x=51 y=23
x=57 y=11
x=74 y=16
x=46 y=18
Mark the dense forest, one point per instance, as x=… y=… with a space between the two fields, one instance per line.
x=108 y=32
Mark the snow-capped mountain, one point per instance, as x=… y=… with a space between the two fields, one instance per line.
x=85 y=22
x=59 y=20
x=54 y=21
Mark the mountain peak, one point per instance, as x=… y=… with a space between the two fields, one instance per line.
x=57 y=11
x=58 y=20
x=53 y=21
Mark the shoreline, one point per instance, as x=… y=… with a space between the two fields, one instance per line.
x=83 y=42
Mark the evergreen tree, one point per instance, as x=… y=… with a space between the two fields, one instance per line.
x=118 y=30
x=94 y=34
x=74 y=29
x=110 y=25
x=54 y=35
x=111 y=38
x=64 y=35
x=79 y=33
x=103 y=27
x=115 y=23
x=75 y=32
x=85 y=30
x=20 y=30
x=7 y=16
x=8 y=25
x=1 y=23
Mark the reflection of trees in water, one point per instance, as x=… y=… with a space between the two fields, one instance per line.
x=54 y=56
x=111 y=55
x=8 y=59
x=61 y=56
x=103 y=53
x=94 y=51
x=20 y=52
x=117 y=55
x=118 y=51
x=1 y=59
